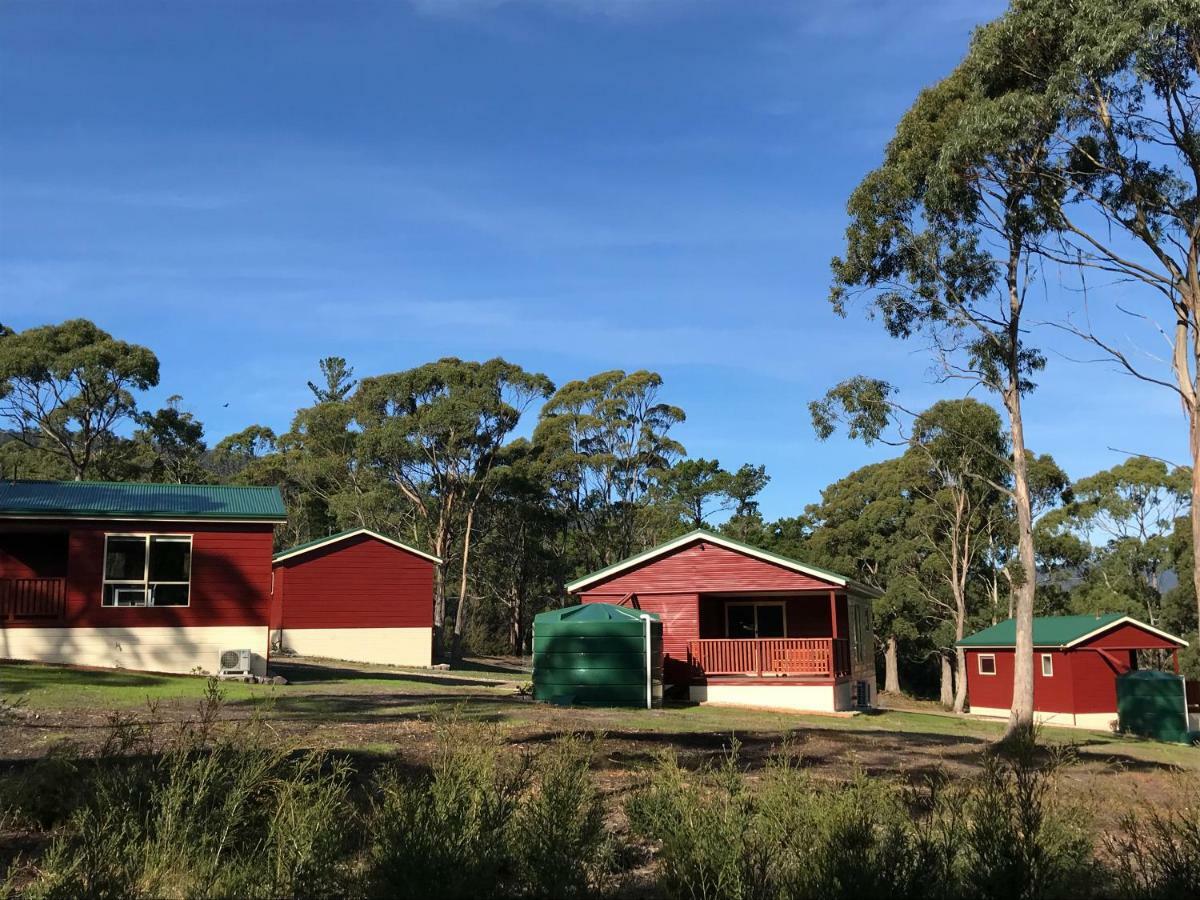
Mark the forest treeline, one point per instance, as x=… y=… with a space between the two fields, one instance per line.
x=520 y=485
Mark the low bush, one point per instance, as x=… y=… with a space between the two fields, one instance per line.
x=791 y=835
x=1157 y=854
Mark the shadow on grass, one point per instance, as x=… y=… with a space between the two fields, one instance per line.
x=302 y=673
x=22 y=677
x=329 y=708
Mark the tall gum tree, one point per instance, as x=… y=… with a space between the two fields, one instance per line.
x=1121 y=77
x=435 y=432
x=65 y=388
x=942 y=242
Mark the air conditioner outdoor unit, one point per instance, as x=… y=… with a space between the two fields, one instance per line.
x=235 y=661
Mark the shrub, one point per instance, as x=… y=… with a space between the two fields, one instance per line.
x=446 y=834
x=559 y=837
x=1021 y=840
x=243 y=816
x=1157 y=854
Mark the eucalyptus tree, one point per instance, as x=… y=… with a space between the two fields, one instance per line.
x=698 y=490
x=606 y=444
x=861 y=528
x=435 y=433
x=942 y=242
x=1132 y=508
x=65 y=389
x=1123 y=80
x=173 y=440
x=958 y=474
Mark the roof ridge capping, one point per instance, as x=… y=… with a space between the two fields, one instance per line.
x=317 y=543
x=703 y=534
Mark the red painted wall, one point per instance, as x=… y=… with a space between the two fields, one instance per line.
x=672 y=587
x=361 y=582
x=1083 y=681
x=707 y=568
x=1090 y=684
x=1127 y=636
x=1052 y=694
x=231 y=575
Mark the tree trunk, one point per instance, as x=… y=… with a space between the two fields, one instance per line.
x=460 y=615
x=947 y=693
x=1021 y=717
x=891 y=666
x=960 y=680
x=1194 y=416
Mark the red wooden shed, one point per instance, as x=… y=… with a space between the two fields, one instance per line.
x=1076 y=663
x=748 y=627
x=356 y=596
x=160 y=577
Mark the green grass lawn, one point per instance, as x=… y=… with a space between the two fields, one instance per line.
x=330 y=694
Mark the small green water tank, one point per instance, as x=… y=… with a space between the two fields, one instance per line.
x=597 y=654
x=1152 y=704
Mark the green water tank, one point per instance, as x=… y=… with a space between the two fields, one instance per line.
x=598 y=654
x=1152 y=704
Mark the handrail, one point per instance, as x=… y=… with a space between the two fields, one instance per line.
x=814 y=657
x=32 y=598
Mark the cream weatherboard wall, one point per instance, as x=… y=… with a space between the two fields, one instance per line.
x=182 y=649
x=382 y=646
x=800 y=697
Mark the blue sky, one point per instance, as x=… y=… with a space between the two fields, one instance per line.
x=575 y=185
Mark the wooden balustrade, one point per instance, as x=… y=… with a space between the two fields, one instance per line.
x=813 y=657
x=25 y=599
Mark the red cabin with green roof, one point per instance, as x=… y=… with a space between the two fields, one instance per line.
x=747 y=627
x=1076 y=661
x=157 y=577
x=356 y=596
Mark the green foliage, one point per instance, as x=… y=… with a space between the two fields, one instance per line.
x=559 y=839
x=230 y=813
x=171 y=441
x=790 y=835
x=1159 y=852
x=606 y=446
x=64 y=388
x=484 y=821
x=446 y=834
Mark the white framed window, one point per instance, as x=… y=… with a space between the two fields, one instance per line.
x=987 y=663
x=1047 y=665
x=147 y=570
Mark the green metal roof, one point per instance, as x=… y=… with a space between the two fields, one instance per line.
x=592 y=612
x=105 y=499
x=1048 y=631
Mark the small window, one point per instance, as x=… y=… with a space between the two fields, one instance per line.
x=1047 y=665
x=987 y=664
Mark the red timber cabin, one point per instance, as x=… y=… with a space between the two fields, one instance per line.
x=357 y=596
x=158 y=577
x=746 y=627
x=1076 y=661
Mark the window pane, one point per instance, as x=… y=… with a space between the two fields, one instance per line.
x=170 y=594
x=170 y=560
x=124 y=595
x=987 y=665
x=770 y=621
x=741 y=621
x=126 y=559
